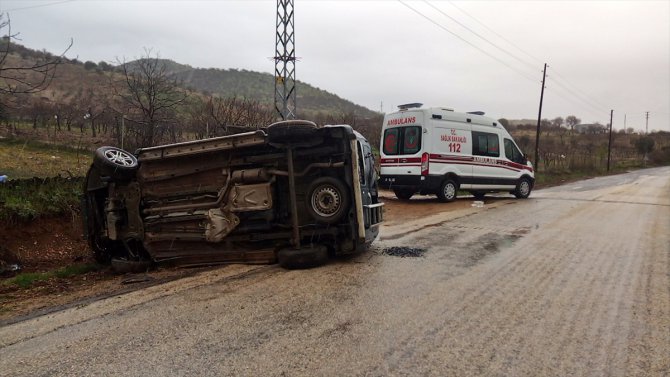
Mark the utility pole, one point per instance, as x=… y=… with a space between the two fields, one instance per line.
x=609 y=145
x=624 y=123
x=647 y=122
x=285 y=97
x=539 y=119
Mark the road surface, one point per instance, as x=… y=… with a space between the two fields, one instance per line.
x=573 y=281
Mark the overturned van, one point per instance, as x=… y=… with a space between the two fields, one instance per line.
x=292 y=193
x=439 y=151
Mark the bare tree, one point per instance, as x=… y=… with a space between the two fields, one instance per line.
x=572 y=121
x=29 y=78
x=152 y=97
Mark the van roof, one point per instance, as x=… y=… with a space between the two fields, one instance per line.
x=444 y=113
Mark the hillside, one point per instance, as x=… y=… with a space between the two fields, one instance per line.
x=83 y=79
x=259 y=87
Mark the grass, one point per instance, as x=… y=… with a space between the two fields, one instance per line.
x=24 y=200
x=30 y=194
x=26 y=280
x=27 y=159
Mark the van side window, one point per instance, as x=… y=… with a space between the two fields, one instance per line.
x=361 y=163
x=485 y=144
x=512 y=152
x=402 y=140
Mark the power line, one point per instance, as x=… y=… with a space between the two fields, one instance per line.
x=577 y=89
x=583 y=99
x=493 y=31
x=38 y=5
x=468 y=42
x=532 y=66
x=587 y=99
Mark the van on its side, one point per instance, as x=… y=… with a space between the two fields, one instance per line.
x=440 y=151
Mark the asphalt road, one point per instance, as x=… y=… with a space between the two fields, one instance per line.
x=573 y=281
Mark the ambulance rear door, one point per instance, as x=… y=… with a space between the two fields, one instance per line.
x=402 y=143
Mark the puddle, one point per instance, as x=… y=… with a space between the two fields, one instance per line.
x=404 y=252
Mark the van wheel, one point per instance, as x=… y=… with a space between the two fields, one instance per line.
x=293 y=132
x=403 y=194
x=447 y=191
x=327 y=200
x=523 y=188
x=305 y=257
x=115 y=162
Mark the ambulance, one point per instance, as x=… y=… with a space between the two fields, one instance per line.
x=437 y=151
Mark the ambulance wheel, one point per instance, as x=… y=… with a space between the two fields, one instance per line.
x=403 y=194
x=448 y=190
x=523 y=188
x=327 y=200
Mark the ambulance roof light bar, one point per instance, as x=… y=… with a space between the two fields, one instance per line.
x=410 y=106
x=476 y=112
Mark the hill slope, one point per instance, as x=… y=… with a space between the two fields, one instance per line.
x=260 y=87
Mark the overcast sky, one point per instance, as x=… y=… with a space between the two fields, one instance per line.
x=602 y=55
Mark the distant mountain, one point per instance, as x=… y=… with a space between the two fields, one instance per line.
x=260 y=87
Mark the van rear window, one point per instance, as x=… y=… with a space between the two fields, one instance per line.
x=402 y=140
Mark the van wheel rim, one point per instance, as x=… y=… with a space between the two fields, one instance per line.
x=449 y=191
x=326 y=201
x=524 y=188
x=119 y=157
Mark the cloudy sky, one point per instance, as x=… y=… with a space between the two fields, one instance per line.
x=467 y=55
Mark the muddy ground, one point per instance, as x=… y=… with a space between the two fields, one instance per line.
x=55 y=243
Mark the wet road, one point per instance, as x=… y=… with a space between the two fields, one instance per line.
x=573 y=281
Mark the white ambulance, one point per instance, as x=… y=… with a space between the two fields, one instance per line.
x=440 y=151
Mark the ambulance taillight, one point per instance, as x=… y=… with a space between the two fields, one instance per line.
x=424 y=163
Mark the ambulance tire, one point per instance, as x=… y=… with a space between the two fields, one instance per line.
x=448 y=191
x=403 y=194
x=523 y=188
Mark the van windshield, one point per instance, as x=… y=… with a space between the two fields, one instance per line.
x=402 y=140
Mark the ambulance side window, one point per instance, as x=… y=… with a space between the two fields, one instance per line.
x=402 y=140
x=512 y=152
x=485 y=144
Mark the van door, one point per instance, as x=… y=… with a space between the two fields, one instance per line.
x=516 y=160
x=488 y=172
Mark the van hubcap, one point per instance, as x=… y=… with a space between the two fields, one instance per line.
x=524 y=188
x=326 y=201
x=449 y=191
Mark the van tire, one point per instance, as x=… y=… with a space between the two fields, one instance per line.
x=305 y=257
x=115 y=162
x=448 y=191
x=523 y=188
x=292 y=132
x=403 y=194
x=327 y=200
